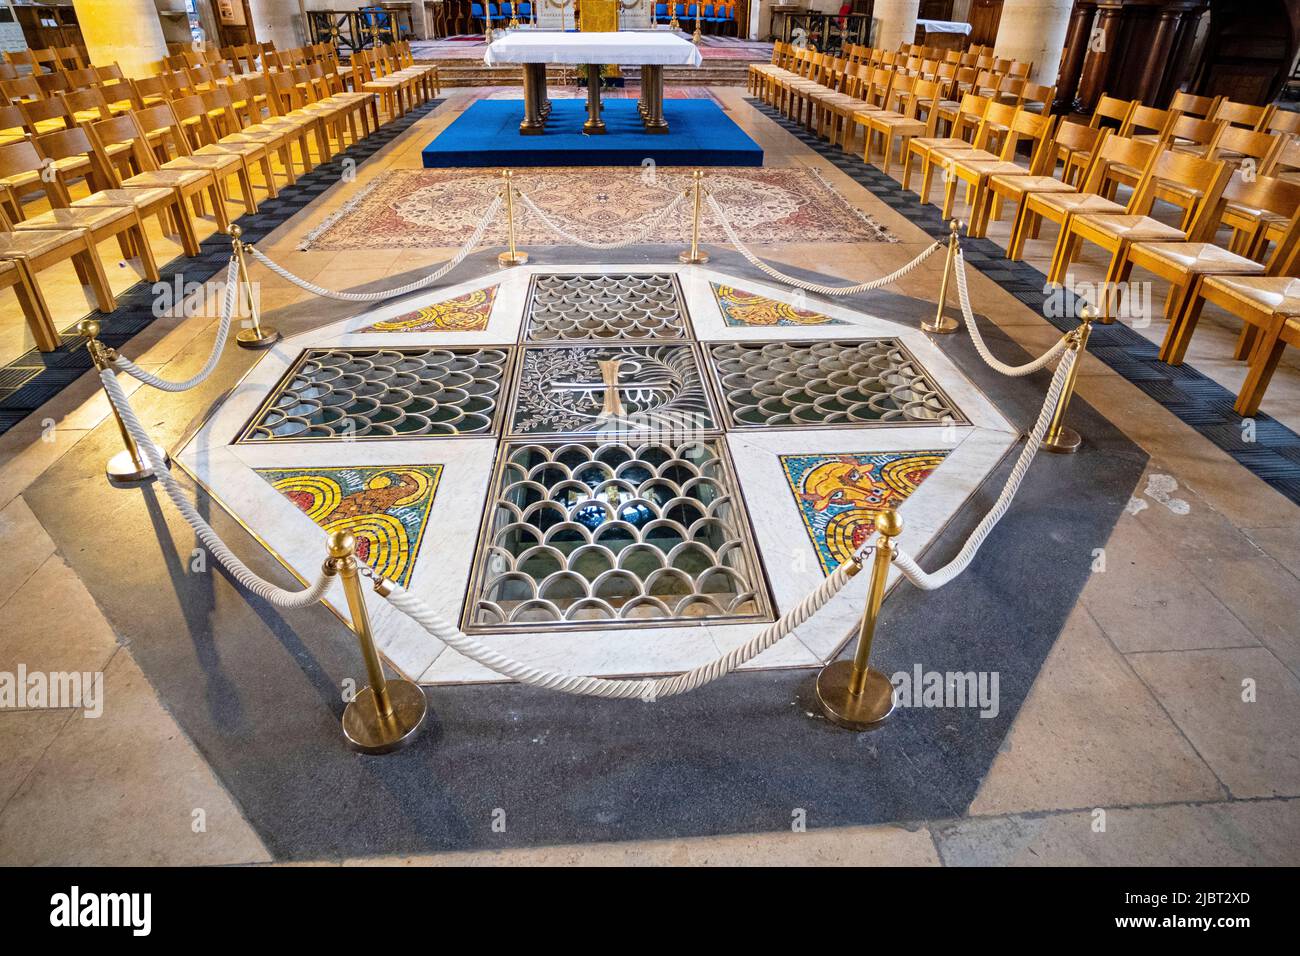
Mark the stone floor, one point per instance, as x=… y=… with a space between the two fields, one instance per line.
x=1134 y=747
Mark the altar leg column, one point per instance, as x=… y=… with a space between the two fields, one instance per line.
x=652 y=78
x=533 y=123
x=594 y=123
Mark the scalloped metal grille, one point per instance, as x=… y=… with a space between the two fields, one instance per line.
x=604 y=307
x=791 y=384
x=337 y=394
x=590 y=534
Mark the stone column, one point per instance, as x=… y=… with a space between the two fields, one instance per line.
x=128 y=32
x=1076 y=46
x=1034 y=30
x=1158 y=56
x=278 y=22
x=897 y=20
x=1096 y=65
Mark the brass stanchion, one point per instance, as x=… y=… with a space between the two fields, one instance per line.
x=852 y=693
x=128 y=465
x=1062 y=439
x=697 y=38
x=512 y=256
x=942 y=324
x=257 y=336
x=674 y=24
x=693 y=255
x=384 y=716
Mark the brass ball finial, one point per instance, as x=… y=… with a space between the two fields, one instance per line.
x=236 y=231
x=954 y=226
x=89 y=328
x=889 y=524
x=342 y=544
x=1086 y=313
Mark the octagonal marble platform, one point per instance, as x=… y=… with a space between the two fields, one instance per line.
x=740 y=461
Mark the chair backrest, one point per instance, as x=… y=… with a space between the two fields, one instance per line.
x=1189 y=103
x=1113 y=109
x=997 y=118
x=52 y=83
x=1241 y=114
x=1284 y=121
x=1190 y=129
x=22 y=89
x=1035 y=128
x=39 y=111
x=1147 y=119
x=80 y=101
x=12 y=121
x=69 y=143
x=1260 y=147
x=121 y=130
x=1113 y=151
x=1207 y=176
x=164 y=130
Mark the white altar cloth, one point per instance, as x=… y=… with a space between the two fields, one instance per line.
x=944 y=26
x=621 y=49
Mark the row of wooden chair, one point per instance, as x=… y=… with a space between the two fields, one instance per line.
x=170 y=155
x=52 y=58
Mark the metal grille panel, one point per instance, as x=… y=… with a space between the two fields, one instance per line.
x=604 y=307
x=595 y=534
x=340 y=394
x=793 y=384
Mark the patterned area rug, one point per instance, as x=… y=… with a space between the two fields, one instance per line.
x=436 y=208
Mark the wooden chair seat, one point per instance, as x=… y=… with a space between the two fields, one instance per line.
x=1133 y=228
x=144 y=198
x=1063 y=203
x=1279 y=294
x=169 y=177
x=93 y=218
x=1195 y=257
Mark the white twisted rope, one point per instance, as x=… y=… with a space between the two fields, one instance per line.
x=158 y=463
x=932 y=580
x=650 y=228
x=649 y=689
x=428 y=280
x=1015 y=371
x=811 y=286
x=218 y=344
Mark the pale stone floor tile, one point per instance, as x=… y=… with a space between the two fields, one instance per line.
x=1250 y=745
x=24 y=544
x=53 y=624
x=850 y=846
x=1262 y=594
x=28 y=449
x=1281 y=543
x=24 y=735
x=1236 y=833
x=1090 y=734
x=1147 y=599
x=123 y=789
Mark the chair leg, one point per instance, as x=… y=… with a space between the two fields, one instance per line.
x=1263 y=363
x=1179 y=334
x=94 y=269
x=35 y=309
x=147 y=260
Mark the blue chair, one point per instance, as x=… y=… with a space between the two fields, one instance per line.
x=681 y=10
x=477 y=13
x=525 y=11
x=494 y=11
x=690 y=10
x=661 y=13
x=506 y=13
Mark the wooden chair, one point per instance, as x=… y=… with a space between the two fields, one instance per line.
x=1147 y=120
x=1058 y=206
x=1284 y=122
x=1013 y=187
x=266 y=110
x=141 y=164
x=968 y=117
x=1184 y=264
x=13 y=124
x=202 y=141
x=1116 y=232
x=1109 y=109
x=37 y=250
x=25 y=89
x=903 y=125
x=228 y=127
x=86 y=106
x=1242 y=114
x=163 y=128
x=998 y=118
x=1188 y=134
x=975 y=167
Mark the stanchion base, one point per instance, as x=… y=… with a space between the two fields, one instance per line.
x=1066 y=443
x=123 y=469
x=594 y=127
x=262 y=338
x=858 y=712
x=940 y=325
x=698 y=259
x=367 y=733
x=518 y=259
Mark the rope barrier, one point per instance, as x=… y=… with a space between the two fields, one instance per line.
x=812 y=286
x=650 y=689
x=418 y=284
x=933 y=580
x=651 y=227
x=158 y=462
x=1014 y=371
x=218 y=345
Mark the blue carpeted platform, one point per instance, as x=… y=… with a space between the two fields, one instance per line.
x=487 y=134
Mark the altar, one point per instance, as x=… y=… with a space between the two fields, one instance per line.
x=651 y=51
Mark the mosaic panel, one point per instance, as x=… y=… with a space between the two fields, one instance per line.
x=464 y=313
x=868 y=382
x=598 y=534
x=742 y=308
x=839 y=495
x=373 y=393
x=607 y=390
x=386 y=508
x=575 y=307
